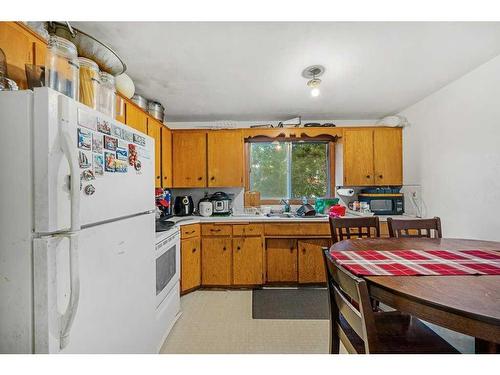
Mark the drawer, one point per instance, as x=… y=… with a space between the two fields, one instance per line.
x=302 y=229
x=189 y=231
x=216 y=230
x=248 y=229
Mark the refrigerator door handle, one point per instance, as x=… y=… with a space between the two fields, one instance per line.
x=69 y=315
x=69 y=150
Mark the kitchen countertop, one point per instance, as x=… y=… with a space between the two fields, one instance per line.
x=185 y=220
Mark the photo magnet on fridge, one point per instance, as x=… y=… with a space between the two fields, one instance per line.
x=132 y=155
x=84 y=139
x=127 y=136
x=97 y=143
x=116 y=131
x=139 y=139
x=98 y=165
x=109 y=161
x=121 y=166
x=122 y=154
x=110 y=143
x=103 y=126
x=83 y=160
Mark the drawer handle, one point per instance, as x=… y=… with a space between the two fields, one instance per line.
x=380 y=176
x=214 y=230
x=194 y=250
x=224 y=248
x=212 y=178
x=200 y=178
x=190 y=232
x=157 y=177
x=367 y=176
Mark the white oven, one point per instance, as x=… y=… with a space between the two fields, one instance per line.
x=167 y=263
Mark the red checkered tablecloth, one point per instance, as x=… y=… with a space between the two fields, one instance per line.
x=419 y=262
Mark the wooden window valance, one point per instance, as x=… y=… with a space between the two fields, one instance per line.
x=282 y=137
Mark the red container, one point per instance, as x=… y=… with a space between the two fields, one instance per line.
x=337 y=211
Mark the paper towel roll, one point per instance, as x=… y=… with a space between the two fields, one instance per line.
x=345 y=192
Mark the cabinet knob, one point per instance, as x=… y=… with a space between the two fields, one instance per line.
x=194 y=250
x=157 y=177
x=200 y=178
x=224 y=248
x=367 y=176
x=380 y=176
x=238 y=248
x=212 y=178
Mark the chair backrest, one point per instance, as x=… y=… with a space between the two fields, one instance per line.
x=343 y=228
x=414 y=228
x=345 y=291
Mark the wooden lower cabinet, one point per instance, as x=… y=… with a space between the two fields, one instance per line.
x=216 y=261
x=247 y=261
x=190 y=264
x=310 y=260
x=281 y=260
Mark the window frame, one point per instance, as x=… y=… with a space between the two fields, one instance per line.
x=331 y=167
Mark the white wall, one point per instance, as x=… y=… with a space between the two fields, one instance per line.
x=452 y=149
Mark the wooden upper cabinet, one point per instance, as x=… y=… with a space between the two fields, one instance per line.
x=310 y=260
x=190 y=264
x=225 y=158
x=136 y=118
x=18 y=46
x=216 y=261
x=388 y=156
x=166 y=157
x=358 y=157
x=189 y=150
x=154 y=131
x=281 y=257
x=247 y=260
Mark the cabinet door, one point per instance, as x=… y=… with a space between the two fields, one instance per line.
x=225 y=158
x=216 y=261
x=154 y=131
x=388 y=156
x=18 y=46
x=190 y=264
x=281 y=257
x=189 y=150
x=247 y=260
x=358 y=157
x=166 y=157
x=311 y=264
x=136 y=118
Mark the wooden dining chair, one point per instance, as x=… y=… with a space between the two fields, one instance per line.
x=413 y=228
x=345 y=228
x=361 y=330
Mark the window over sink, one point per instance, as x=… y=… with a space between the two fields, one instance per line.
x=290 y=169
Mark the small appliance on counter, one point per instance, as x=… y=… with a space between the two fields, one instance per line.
x=183 y=205
x=163 y=200
x=221 y=203
x=205 y=206
x=383 y=200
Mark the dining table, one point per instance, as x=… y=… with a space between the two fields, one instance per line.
x=469 y=304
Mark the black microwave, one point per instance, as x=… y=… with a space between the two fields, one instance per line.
x=384 y=204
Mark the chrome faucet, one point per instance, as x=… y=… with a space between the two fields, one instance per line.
x=286 y=205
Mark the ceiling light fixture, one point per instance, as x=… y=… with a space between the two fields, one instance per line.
x=312 y=73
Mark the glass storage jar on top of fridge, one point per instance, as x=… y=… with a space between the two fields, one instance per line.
x=107 y=95
x=62 y=66
x=89 y=82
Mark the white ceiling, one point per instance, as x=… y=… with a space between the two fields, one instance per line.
x=252 y=71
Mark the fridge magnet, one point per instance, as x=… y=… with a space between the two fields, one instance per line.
x=121 y=166
x=116 y=131
x=138 y=165
x=86 y=119
x=109 y=161
x=127 y=136
x=87 y=175
x=98 y=165
x=143 y=152
x=121 y=154
x=122 y=144
x=132 y=154
x=97 y=143
x=110 y=143
x=83 y=160
x=140 y=140
x=84 y=139
x=103 y=126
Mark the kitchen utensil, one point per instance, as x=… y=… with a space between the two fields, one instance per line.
x=251 y=199
x=183 y=205
x=306 y=210
x=89 y=47
x=35 y=75
x=141 y=101
x=156 y=110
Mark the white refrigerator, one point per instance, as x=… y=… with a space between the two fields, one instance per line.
x=77 y=262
